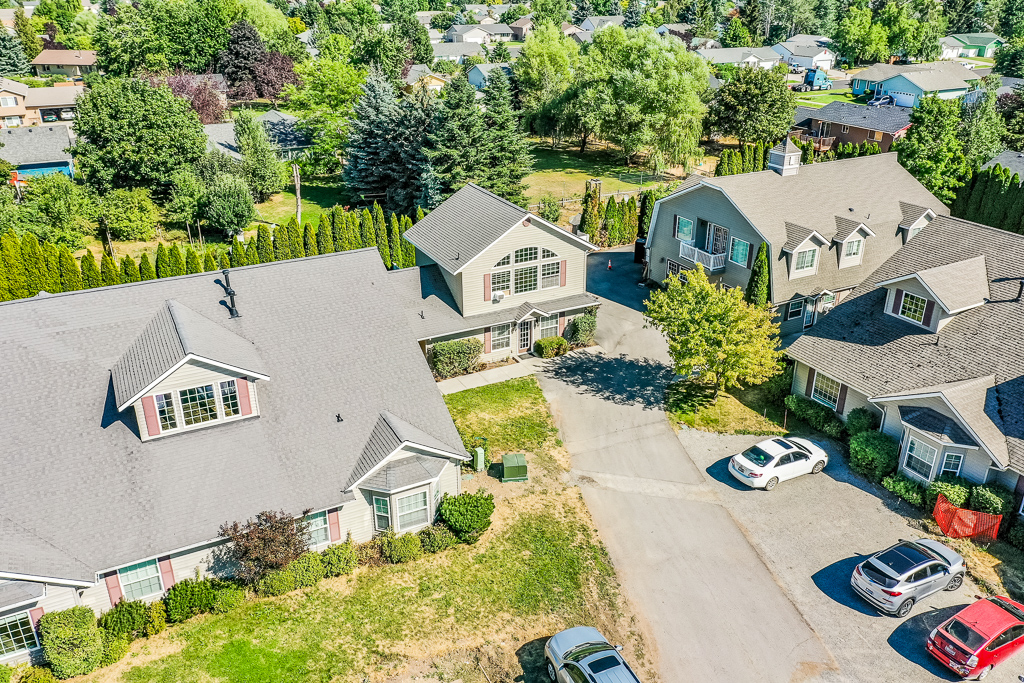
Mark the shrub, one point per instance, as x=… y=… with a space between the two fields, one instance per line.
x=72 y=642
x=228 y=598
x=229 y=205
x=861 y=420
x=129 y=214
x=340 y=559
x=436 y=538
x=456 y=357
x=550 y=209
x=126 y=618
x=308 y=570
x=955 y=489
x=5 y=673
x=156 y=618
x=582 y=329
x=400 y=549
x=368 y=553
x=115 y=647
x=994 y=500
x=268 y=543
x=874 y=455
x=778 y=387
x=549 y=347
x=818 y=416
x=467 y=514
x=276 y=583
x=37 y=674
x=1015 y=537
x=189 y=597
x=906 y=488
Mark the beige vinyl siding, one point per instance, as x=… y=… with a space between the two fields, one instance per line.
x=975 y=466
x=356 y=517
x=854 y=398
x=894 y=427
x=914 y=287
x=97 y=598
x=450 y=482
x=521 y=236
x=1007 y=478
x=454 y=283
x=208 y=559
x=479 y=334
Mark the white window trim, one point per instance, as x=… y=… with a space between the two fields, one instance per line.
x=35 y=636
x=327 y=526
x=542 y=276
x=495 y=288
x=732 y=243
x=399 y=528
x=675 y=230
x=807 y=269
x=507 y=336
x=159 y=576
x=179 y=411
x=860 y=249
x=846 y=129
x=947 y=454
x=814 y=390
x=673 y=264
x=537 y=263
x=924 y=311
x=907 y=455
x=790 y=315
x=376 y=514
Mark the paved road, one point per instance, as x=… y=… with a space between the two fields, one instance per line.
x=714 y=609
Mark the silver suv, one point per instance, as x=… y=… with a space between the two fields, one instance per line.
x=583 y=655
x=894 y=579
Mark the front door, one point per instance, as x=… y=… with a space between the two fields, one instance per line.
x=525 y=333
x=717 y=239
x=809 y=307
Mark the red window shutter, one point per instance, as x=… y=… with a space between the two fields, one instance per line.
x=929 y=311
x=809 y=389
x=561 y=324
x=841 y=401
x=113 y=587
x=334 y=526
x=35 y=614
x=244 y=401
x=561 y=271
x=487 y=286
x=166 y=571
x=897 y=301
x=152 y=419
x=487 y=340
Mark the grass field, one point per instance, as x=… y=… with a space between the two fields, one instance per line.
x=318 y=195
x=742 y=411
x=821 y=98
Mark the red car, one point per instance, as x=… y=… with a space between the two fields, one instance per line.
x=979 y=637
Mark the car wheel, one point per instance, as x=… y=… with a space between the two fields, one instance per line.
x=551 y=671
x=770 y=484
x=905 y=608
x=955 y=582
x=983 y=674
x=818 y=467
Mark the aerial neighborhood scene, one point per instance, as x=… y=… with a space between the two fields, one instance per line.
x=569 y=341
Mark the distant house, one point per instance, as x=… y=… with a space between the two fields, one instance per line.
x=21 y=105
x=678 y=30
x=908 y=83
x=477 y=75
x=420 y=74
x=425 y=16
x=809 y=55
x=457 y=52
x=71 y=63
x=435 y=36
x=842 y=122
x=38 y=150
x=568 y=29
x=7 y=15
x=281 y=129
x=306 y=38
x=582 y=37
x=598 y=23
x=521 y=27
x=763 y=57
x=479 y=33
x=949 y=48
x=697 y=43
x=977 y=44
x=1008 y=159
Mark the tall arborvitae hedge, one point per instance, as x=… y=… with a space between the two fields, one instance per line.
x=295 y=238
x=324 y=235
x=264 y=245
x=146 y=270
x=225 y=261
x=192 y=263
x=90 y=272
x=994 y=197
x=129 y=269
x=70 y=275
x=309 y=245
x=14 y=266
x=163 y=265
x=757 y=287
x=380 y=231
x=109 y=272
x=252 y=252
x=367 y=236
x=209 y=261
x=176 y=259
x=51 y=257
x=282 y=244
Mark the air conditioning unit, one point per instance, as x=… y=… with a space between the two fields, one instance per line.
x=497 y=297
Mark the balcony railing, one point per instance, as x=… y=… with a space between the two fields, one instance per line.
x=821 y=144
x=711 y=262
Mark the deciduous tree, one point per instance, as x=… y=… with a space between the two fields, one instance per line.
x=932 y=150
x=981 y=127
x=754 y=106
x=267 y=543
x=228 y=207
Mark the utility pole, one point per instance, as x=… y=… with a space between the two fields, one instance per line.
x=298 y=194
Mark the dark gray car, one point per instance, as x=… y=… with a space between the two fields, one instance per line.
x=896 y=578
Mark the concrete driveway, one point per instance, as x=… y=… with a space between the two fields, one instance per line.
x=735 y=585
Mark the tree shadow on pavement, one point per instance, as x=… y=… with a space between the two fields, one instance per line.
x=531 y=658
x=620 y=379
x=910 y=637
x=834 y=581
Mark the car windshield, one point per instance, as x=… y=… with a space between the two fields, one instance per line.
x=903 y=557
x=581 y=652
x=1013 y=610
x=603 y=664
x=755 y=455
x=966 y=635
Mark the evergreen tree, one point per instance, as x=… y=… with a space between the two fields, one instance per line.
x=175 y=260
x=590 y=220
x=163 y=266
x=458 y=150
x=324 y=238
x=282 y=244
x=583 y=10
x=12 y=56
x=90 y=272
x=295 y=238
x=408 y=250
x=736 y=163
x=209 y=261
x=507 y=155
x=631 y=221
x=395 y=242
x=129 y=270
x=264 y=245
x=355 y=234
x=367 y=235
x=430 y=194
x=753 y=18
x=109 y=273
x=611 y=222
x=339 y=228
x=634 y=17
x=369 y=152
x=419 y=213
x=252 y=253
x=759 y=155
x=958 y=208
x=1015 y=214
x=192 y=263
x=51 y=257
x=35 y=266
x=236 y=254
x=260 y=167
x=225 y=261
x=14 y=267
x=28 y=36
x=757 y=286
x=646 y=209
x=722 y=168
x=380 y=232
x=309 y=240
x=973 y=209
x=146 y=271
x=70 y=275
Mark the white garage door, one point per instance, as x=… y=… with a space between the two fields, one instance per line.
x=903 y=99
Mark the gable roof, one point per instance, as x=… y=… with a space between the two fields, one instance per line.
x=800 y=49
x=456 y=49
x=912 y=213
x=67 y=443
x=599 y=22
x=35 y=144
x=929 y=76
x=65 y=58
x=486 y=69
x=734 y=55
x=282 y=129
x=877 y=354
x=15 y=87
x=985 y=38
x=56 y=96
x=957 y=286
x=887 y=119
x=846 y=227
x=796 y=235
x=936 y=425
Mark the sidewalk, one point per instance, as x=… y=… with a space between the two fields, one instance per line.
x=505 y=372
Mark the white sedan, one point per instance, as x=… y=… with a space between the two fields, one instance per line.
x=763 y=466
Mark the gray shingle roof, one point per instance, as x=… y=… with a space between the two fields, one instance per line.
x=65 y=58
x=803 y=115
x=887 y=119
x=1009 y=159
x=65 y=96
x=928 y=76
x=35 y=144
x=844 y=228
x=796 y=235
x=332 y=332
x=935 y=424
x=282 y=129
x=14 y=593
x=456 y=49
x=786 y=146
x=957 y=285
x=911 y=213
x=388 y=434
x=401 y=474
x=880 y=355
x=734 y=55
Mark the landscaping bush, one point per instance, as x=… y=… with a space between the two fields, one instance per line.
x=126 y=618
x=368 y=554
x=818 y=416
x=549 y=347
x=874 y=455
x=228 y=598
x=550 y=208
x=190 y=597
x=5 y=673
x=456 y=357
x=861 y=420
x=115 y=647
x=955 y=489
x=340 y=559
x=582 y=329
x=400 y=549
x=994 y=499
x=276 y=583
x=1015 y=537
x=72 y=642
x=467 y=514
x=777 y=388
x=906 y=488
x=436 y=538
x=308 y=570
x=37 y=674
x=156 y=618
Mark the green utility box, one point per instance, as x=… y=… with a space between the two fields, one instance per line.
x=513 y=467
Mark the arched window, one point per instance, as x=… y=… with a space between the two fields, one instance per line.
x=527 y=270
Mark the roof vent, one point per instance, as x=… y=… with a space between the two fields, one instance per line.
x=230 y=293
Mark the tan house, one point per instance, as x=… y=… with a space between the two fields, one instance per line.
x=71 y=63
x=21 y=105
x=491 y=270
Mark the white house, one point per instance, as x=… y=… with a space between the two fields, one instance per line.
x=806 y=54
x=763 y=57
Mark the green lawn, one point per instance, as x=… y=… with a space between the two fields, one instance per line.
x=318 y=195
x=563 y=171
x=742 y=411
x=821 y=98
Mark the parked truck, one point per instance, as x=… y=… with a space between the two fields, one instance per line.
x=814 y=79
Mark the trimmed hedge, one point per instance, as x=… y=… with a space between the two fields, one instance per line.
x=5 y=673
x=456 y=357
x=582 y=329
x=906 y=488
x=228 y=598
x=467 y=514
x=72 y=642
x=874 y=455
x=190 y=597
x=115 y=647
x=861 y=420
x=955 y=489
x=126 y=618
x=307 y=569
x=818 y=416
x=994 y=500
x=340 y=559
x=276 y=583
x=37 y=674
x=400 y=549
x=436 y=538
x=549 y=347
x=156 y=619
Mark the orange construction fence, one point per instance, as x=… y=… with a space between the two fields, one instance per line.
x=961 y=523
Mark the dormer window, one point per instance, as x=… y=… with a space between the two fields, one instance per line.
x=805 y=260
x=913 y=307
x=853 y=248
x=165 y=409
x=196 y=406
